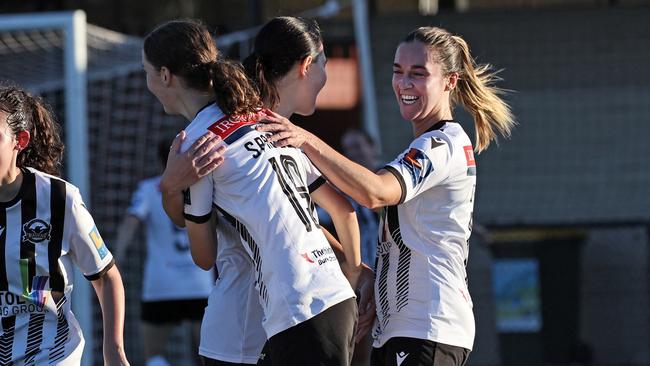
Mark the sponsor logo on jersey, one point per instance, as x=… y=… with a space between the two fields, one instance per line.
x=230 y=128
x=12 y=304
x=36 y=231
x=37 y=294
x=32 y=300
x=306 y=256
x=418 y=165
x=471 y=163
x=99 y=242
x=320 y=256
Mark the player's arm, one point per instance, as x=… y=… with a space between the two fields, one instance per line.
x=202 y=243
x=364 y=288
x=125 y=233
x=335 y=244
x=186 y=168
x=370 y=189
x=200 y=222
x=110 y=293
x=345 y=222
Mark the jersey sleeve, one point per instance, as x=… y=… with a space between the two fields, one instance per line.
x=423 y=165
x=314 y=177
x=198 y=201
x=88 y=250
x=139 y=204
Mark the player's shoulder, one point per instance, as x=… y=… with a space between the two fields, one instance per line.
x=43 y=180
x=448 y=134
x=205 y=118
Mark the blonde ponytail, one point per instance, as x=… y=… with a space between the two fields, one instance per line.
x=475 y=90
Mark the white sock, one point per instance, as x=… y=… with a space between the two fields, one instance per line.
x=158 y=360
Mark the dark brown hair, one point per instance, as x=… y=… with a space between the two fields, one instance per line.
x=188 y=50
x=26 y=112
x=281 y=43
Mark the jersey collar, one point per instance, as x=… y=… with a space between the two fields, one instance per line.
x=439 y=125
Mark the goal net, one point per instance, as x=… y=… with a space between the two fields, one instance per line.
x=124 y=122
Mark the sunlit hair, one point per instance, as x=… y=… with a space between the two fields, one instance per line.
x=475 y=90
x=279 y=45
x=187 y=49
x=26 y=112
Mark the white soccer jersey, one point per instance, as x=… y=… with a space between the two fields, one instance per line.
x=44 y=231
x=169 y=272
x=264 y=192
x=231 y=329
x=421 y=286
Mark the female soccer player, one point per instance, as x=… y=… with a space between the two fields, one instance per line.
x=233 y=305
x=173 y=288
x=309 y=306
x=426 y=196
x=45 y=230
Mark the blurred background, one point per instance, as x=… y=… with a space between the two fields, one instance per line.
x=559 y=269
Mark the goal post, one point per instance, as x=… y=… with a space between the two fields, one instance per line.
x=73 y=25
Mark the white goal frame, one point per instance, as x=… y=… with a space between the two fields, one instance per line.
x=75 y=61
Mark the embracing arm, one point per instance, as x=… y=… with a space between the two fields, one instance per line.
x=345 y=222
x=370 y=189
x=202 y=243
x=110 y=292
x=185 y=169
x=364 y=288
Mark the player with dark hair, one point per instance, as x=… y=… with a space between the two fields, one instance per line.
x=173 y=288
x=46 y=230
x=265 y=193
x=426 y=196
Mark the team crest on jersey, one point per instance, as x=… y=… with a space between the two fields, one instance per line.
x=418 y=164
x=99 y=242
x=37 y=231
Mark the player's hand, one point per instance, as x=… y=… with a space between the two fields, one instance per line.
x=185 y=169
x=284 y=133
x=366 y=301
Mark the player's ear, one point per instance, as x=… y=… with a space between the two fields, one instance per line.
x=165 y=76
x=452 y=80
x=304 y=65
x=22 y=140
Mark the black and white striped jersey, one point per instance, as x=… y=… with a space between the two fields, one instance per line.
x=421 y=284
x=265 y=192
x=44 y=231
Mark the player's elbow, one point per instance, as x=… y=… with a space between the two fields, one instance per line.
x=204 y=264
x=372 y=200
